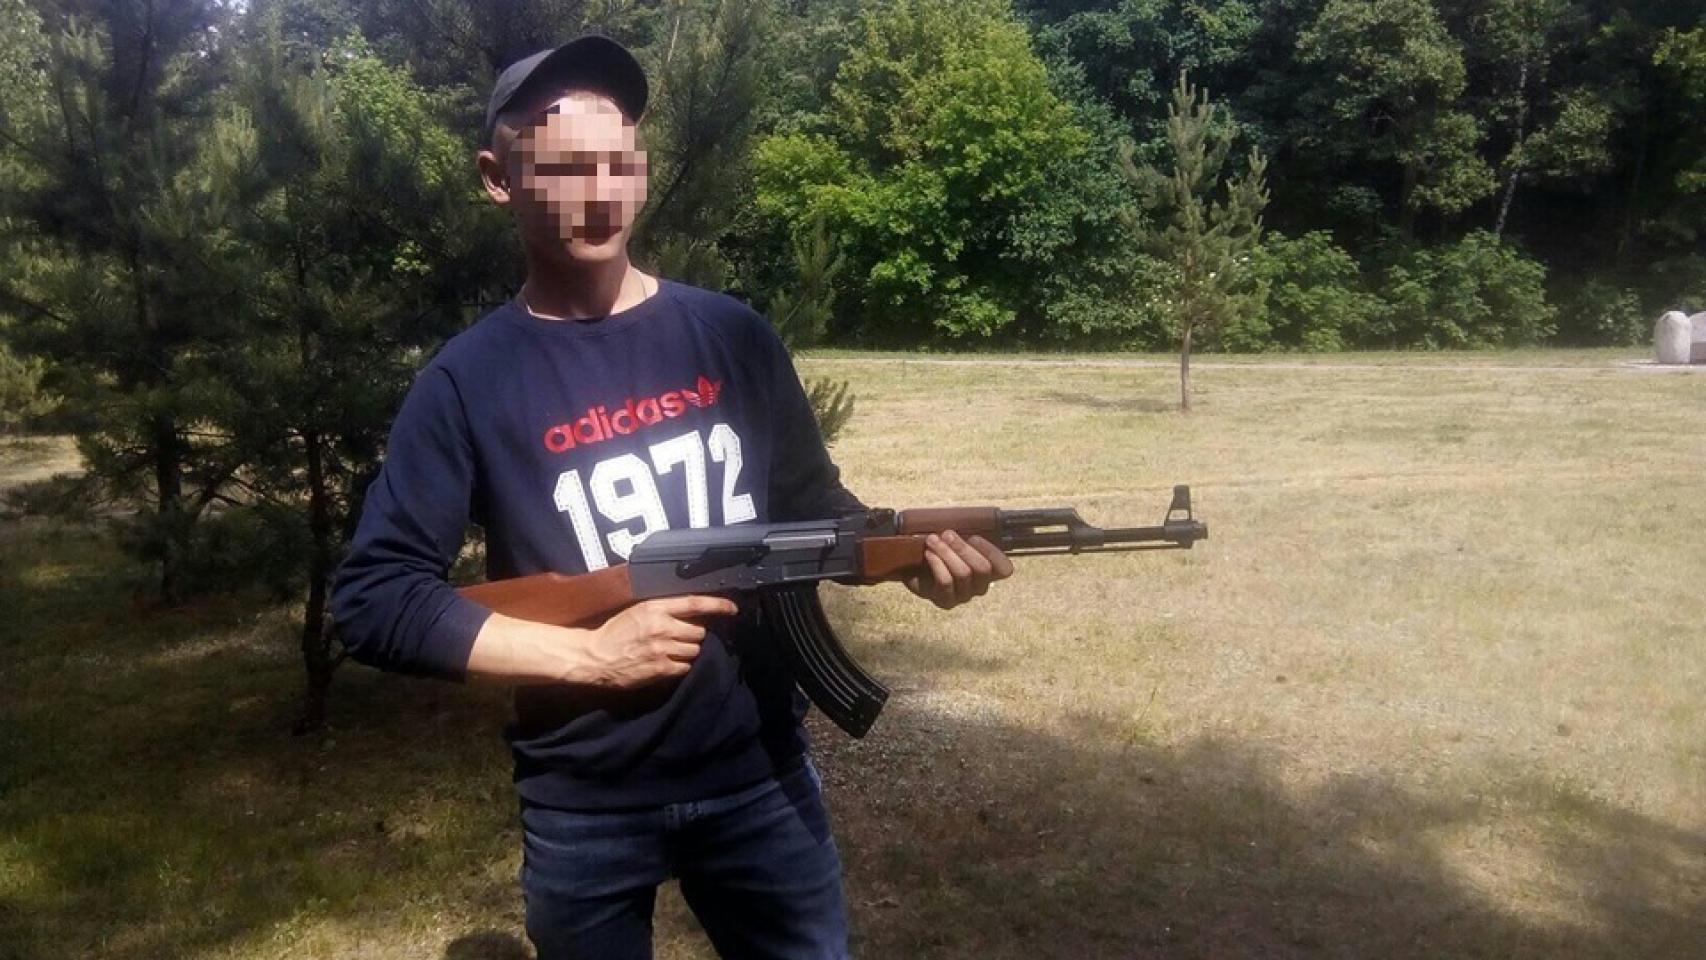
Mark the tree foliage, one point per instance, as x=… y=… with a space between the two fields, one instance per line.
x=1316 y=299
x=940 y=135
x=115 y=252
x=23 y=400
x=361 y=235
x=1390 y=80
x=1476 y=292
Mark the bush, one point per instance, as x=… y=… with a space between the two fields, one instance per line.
x=1115 y=304
x=1676 y=283
x=1476 y=292
x=1596 y=312
x=1315 y=300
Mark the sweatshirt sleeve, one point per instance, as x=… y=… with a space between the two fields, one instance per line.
x=392 y=603
x=805 y=484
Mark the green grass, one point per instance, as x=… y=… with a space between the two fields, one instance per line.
x=1432 y=689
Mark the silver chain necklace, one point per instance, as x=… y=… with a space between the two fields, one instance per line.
x=521 y=295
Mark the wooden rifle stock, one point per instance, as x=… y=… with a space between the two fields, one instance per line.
x=562 y=600
x=589 y=599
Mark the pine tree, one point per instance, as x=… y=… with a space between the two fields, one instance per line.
x=1205 y=242
x=22 y=398
x=802 y=312
x=708 y=92
x=801 y=316
x=363 y=238
x=120 y=279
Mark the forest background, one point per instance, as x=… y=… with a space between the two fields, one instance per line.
x=230 y=232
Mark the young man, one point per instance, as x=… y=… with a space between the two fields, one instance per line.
x=601 y=405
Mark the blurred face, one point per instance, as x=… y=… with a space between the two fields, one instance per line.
x=575 y=177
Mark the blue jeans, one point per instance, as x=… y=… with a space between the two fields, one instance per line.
x=758 y=867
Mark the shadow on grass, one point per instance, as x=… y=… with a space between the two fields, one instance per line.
x=152 y=805
x=1108 y=404
x=487 y=945
x=971 y=839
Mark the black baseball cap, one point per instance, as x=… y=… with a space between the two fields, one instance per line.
x=592 y=62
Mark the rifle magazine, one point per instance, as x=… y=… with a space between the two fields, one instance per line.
x=847 y=695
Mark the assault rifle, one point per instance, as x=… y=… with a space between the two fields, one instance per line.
x=783 y=563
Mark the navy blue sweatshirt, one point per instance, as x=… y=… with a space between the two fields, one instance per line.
x=568 y=441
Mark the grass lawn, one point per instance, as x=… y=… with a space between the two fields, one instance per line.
x=1433 y=688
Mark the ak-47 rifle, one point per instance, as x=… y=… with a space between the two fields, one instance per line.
x=783 y=563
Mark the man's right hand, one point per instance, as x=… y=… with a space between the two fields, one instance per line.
x=650 y=641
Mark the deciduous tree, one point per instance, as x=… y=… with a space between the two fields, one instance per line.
x=1390 y=81
x=940 y=139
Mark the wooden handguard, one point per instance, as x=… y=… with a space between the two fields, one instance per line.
x=896 y=558
x=965 y=521
x=563 y=600
x=890 y=558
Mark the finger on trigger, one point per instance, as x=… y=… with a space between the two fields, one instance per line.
x=717 y=606
x=699 y=605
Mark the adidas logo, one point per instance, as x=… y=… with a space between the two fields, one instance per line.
x=601 y=423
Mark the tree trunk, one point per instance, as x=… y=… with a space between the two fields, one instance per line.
x=1627 y=232
x=316 y=644
x=316 y=637
x=1516 y=151
x=317 y=657
x=1407 y=211
x=169 y=506
x=167 y=453
x=1185 y=372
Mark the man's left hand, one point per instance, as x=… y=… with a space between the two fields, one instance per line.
x=960 y=569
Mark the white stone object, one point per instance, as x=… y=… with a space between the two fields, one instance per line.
x=1697 y=350
x=1672 y=338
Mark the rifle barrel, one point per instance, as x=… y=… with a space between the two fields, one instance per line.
x=1087 y=539
x=1062 y=530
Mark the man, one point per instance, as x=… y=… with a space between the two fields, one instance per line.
x=601 y=405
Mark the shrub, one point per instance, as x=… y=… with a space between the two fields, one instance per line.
x=832 y=405
x=1477 y=292
x=1315 y=296
x=1596 y=312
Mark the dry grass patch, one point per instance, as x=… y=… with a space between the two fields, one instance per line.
x=1430 y=689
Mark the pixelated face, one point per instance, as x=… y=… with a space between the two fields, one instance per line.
x=577 y=177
